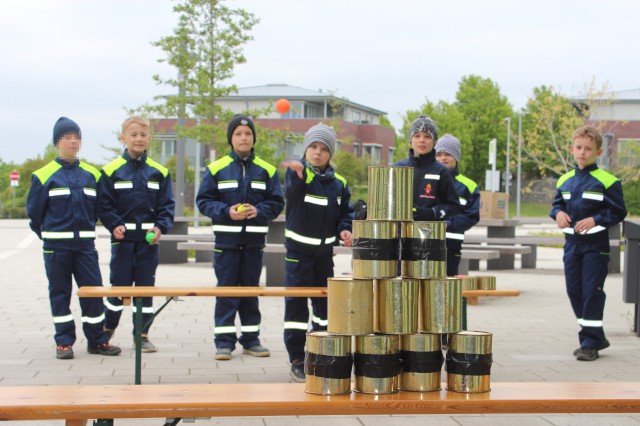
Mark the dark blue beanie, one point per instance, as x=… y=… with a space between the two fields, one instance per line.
x=240 y=120
x=63 y=126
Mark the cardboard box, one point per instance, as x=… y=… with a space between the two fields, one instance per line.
x=493 y=205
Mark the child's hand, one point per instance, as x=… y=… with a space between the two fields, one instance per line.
x=118 y=232
x=563 y=220
x=242 y=211
x=296 y=166
x=156 y=235
x=346 y=238
x=583 y=226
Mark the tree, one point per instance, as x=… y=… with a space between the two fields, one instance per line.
x=204 y=49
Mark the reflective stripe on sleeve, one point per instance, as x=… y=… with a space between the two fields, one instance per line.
x=62 y=319
x=93 y=320
x=226 y=228
x=330 y=240
x=453 y=236
x=301 y=238
x=293 y=325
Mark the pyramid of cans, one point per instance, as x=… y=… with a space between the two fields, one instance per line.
x=386 y=323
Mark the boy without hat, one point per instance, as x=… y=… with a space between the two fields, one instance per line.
x=241 y=194
x=318 y=210
x=137 y=200
x=434 y=194
x=449 y=153
x=63 y=207
x=588 y=201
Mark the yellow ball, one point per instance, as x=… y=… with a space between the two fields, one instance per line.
x=241 y=208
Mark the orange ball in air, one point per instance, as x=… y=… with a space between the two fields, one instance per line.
x=282 y=106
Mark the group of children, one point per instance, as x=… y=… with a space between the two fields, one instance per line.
x=242 y=194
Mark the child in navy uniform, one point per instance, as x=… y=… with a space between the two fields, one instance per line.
x=449 y=152
x=63 y=208
x=588 y=201
x=137 y=199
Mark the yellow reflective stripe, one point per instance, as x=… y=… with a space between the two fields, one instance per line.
x=59 y=192
x=112 y=307
x=153 y=185
x=93 y=320
x=226 y=228
x=250 y=328
x=63 y=319
x=257 y=229
x=130 y=226
x=50 y=235
x=293 y=325
x=146 y=225
x=319 y=201
x=224 y=329
x=145 y=310
x=589 y=323
x=454 y=236
x=87 y=234
x=123 y=185
x=319 y=321
x=302 y=239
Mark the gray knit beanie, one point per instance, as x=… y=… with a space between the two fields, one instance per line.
x=323 y=134
x=424 y=124
x=451 y=145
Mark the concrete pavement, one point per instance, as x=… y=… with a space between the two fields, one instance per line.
x=534 y=336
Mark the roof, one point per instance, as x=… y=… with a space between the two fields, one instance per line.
x=281 y=90
x=629 y=95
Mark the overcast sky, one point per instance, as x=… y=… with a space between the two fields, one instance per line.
x=89 y=59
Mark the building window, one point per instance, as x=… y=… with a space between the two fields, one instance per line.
x=373 y=151
x=356 y=117
x=295 y=111
x=392 y=152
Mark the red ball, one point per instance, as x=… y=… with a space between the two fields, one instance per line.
x=282 y=106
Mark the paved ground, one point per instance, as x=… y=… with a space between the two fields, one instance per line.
x=534 y=335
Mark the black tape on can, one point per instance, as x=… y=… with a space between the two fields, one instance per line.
x=376 y=366
x=421 y=362
x=413 y=249
x=328 y=366
x=375 y=249
x=469 y=364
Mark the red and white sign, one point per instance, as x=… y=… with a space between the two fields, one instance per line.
x=15 y=178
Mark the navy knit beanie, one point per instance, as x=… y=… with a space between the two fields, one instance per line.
x=424 y=124
x=63 y=126
x=240 y=120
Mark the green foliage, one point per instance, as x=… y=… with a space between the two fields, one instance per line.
x=355 y=171
x=189 y=170
x=631 y=192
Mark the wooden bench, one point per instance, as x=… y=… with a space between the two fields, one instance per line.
x=78 y=404
x=127 y=293
x=506 y=258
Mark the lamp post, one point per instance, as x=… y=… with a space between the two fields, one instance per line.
x=507 y=172
x=519 y=172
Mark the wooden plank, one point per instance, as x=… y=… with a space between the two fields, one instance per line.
x=289 y=399
x=501 y=248
x=466 y=253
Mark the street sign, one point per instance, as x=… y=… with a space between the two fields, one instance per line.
x=14 y=176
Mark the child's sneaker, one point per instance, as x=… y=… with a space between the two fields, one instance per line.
x=105 y=349
x=64 y=352
x=147 y=346
x=297 y=371
x=223 y=354
x=257 y=350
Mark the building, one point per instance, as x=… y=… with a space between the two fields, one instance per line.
x=358 y=126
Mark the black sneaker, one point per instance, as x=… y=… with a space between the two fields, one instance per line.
x=64 y=352
x=106 y=349
x=109 y=332
x=604 y=345
x=297 y=371
x=587 y=354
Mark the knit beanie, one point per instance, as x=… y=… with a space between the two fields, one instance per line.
x=240 y=120
x=323 y=134
x=451 y=145
x=63 y=126
x=424 y=124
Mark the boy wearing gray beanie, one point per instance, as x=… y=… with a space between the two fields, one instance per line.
x=318 y=213
x=449 y=152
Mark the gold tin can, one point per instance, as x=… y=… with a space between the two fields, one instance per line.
x=485 y=282
x=397 y=302
x=390 y=194
x=375 y=249
x=350 y=306
x=468 y=282
x=441 y=305
x=469 y=360
x=422 y=361
x=328 y=363
x=376 y=364
x=423 y=250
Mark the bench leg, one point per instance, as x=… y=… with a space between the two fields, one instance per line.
x=529 y=260
x=463 y=268
x=474 y=264
x=472 y=300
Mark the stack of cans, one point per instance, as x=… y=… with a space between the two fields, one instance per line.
x=396 y=308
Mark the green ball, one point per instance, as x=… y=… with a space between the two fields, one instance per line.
x=149 y=237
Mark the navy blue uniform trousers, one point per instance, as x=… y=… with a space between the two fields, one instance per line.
x=304 y=271
x=132 y=262
x=585 y=269
x=62 y=266
x=454 y=248
x=237 y=267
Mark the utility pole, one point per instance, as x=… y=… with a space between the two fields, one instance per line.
x=507 y=172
